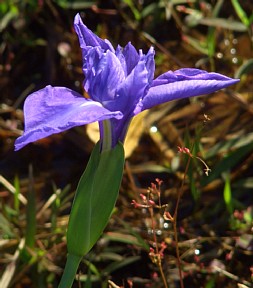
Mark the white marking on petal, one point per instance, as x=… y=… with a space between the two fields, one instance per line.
x=90 y=103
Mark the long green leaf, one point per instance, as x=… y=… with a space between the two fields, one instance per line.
x=78 y=5
x=80 y=216
x=95 y=198
x=94 y=201
x=224 y=23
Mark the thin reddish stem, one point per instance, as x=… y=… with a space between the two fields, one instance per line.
x=174 y=222
x=158 y=262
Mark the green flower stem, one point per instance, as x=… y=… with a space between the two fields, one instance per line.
x=69 y=273
x=107 y=136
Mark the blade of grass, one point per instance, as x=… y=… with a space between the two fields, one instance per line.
x=11 y=188
x=135 y=240
x=228 y=162
x=8 y=274
x=198 y=45
x=30 y=212
x=227 y=193
x=88 y=283
x=120 y=264
x=6 y=228
x=117 y=236
x=228 y=144
x=76 y=5
x=240 y=12
x=195 y=148
x=211 y=43
x=135 y=11
x=16 y=194
x=245 y=68
x=224 y=23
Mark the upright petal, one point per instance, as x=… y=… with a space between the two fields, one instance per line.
x=131 y=57
x=88 y=38
x=150 y=64
x=90 y=64
x=55 y=109
x=133 y=88
x=105 y=75
x=119 y=54
x=183 y=83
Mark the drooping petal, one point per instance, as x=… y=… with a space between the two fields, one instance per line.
x=183 y=83
x=55 y=109
x=187 y=74
x=88 y=38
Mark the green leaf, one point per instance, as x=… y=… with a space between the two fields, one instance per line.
x=105 y=189
x=95 y=198
x=78 y=5
x=94 y=201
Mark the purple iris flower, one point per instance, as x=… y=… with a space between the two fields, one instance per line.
x=120 y=84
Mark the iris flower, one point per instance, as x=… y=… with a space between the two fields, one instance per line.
x=120 y=84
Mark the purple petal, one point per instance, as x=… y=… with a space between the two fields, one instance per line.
x=131 y=57
x=88 y=38
x=187 y=74
x=55 y=109
x=105 y=75
x=150 y=64
x=133 y=88
x=122 y=59
x=184 y=83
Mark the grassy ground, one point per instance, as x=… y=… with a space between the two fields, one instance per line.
x=214 y=229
